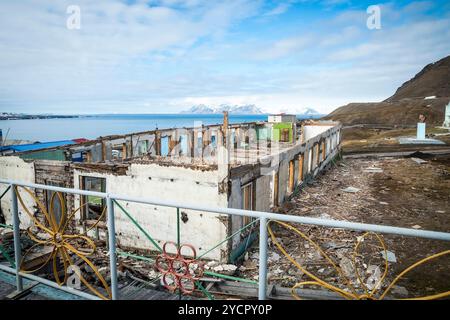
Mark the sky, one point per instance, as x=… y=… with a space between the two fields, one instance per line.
x=164 y=56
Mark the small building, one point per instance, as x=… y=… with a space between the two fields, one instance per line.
x=282 y=117
x=283 y=127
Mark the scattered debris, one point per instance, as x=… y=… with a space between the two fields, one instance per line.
x=390 y=256
x=418 y=160
x=416 y=227
x=351 y=189
x=373 y=170
x=226 y=269
x=395 y=196
x=400 y=292
x=374 y=277
x=274 y=257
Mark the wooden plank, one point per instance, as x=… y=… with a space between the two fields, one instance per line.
x=247 y=290
x=300 y=167
x=317 y=154
x=275 y=186
x=124 y=151
x=291 y=175
x=103 y=151
x=324 y=149
x=157 y=143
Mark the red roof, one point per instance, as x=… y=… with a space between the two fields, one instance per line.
x=80 y=140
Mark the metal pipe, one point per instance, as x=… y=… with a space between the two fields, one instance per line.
x=262 y=259
x=55 y=188
x=51 y=284
x=258 y=214
x=297 y=219
x=178 y=229
x=112 y=247
x=16 y=228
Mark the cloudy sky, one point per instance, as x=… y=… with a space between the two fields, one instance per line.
x=163 y=56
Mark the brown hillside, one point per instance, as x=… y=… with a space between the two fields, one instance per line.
x=433 y=80
x=404 y=107
x=404 y=112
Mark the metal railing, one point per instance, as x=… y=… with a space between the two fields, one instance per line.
x=263 y=217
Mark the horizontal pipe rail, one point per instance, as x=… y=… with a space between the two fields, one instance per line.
x=54 y=188
x=255 y=214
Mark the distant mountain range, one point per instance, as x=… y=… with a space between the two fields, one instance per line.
x=245 y=109
x=204 y=109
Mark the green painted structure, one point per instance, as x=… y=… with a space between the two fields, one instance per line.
x=45 y=155
x=264 y=133
x=278 y=128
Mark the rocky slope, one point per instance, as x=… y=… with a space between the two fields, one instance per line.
x=428 y=93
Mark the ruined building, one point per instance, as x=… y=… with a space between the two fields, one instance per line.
x=251 y=166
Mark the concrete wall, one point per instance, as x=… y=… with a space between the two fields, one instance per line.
x=313 y=131
x=170 y=183
x=280 y=163
x=14 y=168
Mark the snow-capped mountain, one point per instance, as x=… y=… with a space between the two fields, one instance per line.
x=251 y=109
x=244 y=109
x=304 y=112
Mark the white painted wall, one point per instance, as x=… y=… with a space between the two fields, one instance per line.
x=14 y=168
x=312 y=131
x=263 y=193
x=183 y=185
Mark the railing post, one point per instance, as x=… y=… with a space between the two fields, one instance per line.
x=16 y=227
x=262 y=258
x=112 y=247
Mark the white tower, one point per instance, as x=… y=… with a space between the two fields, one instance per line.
x=447 y=116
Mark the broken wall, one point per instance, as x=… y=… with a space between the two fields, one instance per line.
x=169 y=183
x=271 y=192
x=15 y=169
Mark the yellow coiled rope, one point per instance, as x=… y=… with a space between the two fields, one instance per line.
x=351 y=292
x=54 y=235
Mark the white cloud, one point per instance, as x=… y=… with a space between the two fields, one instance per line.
x=170 y=54
x=279 y=9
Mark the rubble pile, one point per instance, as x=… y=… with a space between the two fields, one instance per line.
x=389 y=191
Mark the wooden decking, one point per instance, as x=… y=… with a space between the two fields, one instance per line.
x=133 y=290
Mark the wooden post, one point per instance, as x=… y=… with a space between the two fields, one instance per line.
x=157 y=143
x=300 y=167
x=192 y=136
x=88 y=157
x=247 y=144
x=275 y=191
x=317 y=155
x=291 y=175
x=124 y=151
x=103 y=151
x=257 y=141
x=206 y=137
x=203 y=142
x=131 y=146
x=324 y=150
x=235 y=143
x=225 y=129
